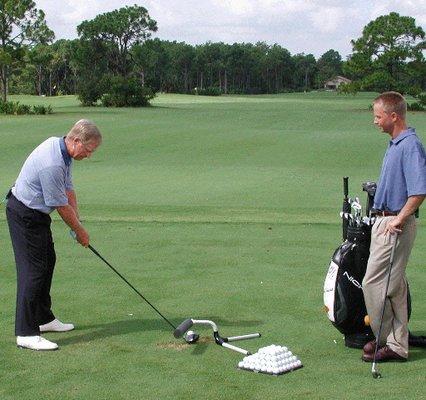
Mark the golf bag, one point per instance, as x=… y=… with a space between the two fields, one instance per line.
x=343 y=296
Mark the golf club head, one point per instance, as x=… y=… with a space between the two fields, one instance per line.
x=191 y=337
x=356 y=206
x=369 y=187
x=346 y=216
x=376 y=374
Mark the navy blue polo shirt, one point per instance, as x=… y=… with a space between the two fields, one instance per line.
x=403 y=172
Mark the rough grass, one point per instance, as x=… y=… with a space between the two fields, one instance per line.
x=222 y=208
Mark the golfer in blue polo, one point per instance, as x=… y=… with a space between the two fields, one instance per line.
x=400 y=192
x=44 y=185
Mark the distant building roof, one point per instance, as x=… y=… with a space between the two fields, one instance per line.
x=335 y=82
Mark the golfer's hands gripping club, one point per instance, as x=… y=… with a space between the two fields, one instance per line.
x=81 y=236
x=70 y=217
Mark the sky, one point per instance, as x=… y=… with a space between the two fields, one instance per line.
x=300 y=26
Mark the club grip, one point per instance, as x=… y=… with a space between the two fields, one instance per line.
x=182 y=328
x=345 y=187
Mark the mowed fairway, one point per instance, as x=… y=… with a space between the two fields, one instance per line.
x=220 y=208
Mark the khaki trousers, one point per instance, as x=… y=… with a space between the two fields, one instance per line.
x=395 y=320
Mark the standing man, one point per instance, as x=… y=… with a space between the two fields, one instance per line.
x=43 y=185
x=400 y=192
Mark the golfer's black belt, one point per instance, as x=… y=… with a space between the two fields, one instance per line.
x=380 y=213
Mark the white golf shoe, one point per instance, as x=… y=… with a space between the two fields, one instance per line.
x=56 y=326
x=35 y=343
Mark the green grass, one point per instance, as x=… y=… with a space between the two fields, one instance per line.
x=223 y=208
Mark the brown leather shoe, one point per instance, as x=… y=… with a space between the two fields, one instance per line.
x=370 y=347
x=383 y=355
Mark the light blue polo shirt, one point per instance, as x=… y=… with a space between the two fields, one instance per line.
x=403 y=172
x=45 y=177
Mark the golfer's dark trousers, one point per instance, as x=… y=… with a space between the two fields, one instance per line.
x=35 y=260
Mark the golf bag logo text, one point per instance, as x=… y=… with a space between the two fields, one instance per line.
x=352 y=280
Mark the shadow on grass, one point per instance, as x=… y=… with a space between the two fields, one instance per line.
x=200 y=348
x=417 y=353
x=64 y=111
x=90 y=333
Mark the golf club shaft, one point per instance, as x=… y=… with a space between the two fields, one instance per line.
x=384 y=300
x=128 y=283
x=346 y=208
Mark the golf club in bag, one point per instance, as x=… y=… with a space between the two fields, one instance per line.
x=343 y=296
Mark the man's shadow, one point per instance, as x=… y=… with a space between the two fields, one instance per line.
x=418 y=352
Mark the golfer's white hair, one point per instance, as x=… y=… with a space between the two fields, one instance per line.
x=86 y=131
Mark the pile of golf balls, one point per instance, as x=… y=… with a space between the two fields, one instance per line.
x=273 y=359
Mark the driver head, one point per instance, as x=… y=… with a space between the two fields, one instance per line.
x=191 y=337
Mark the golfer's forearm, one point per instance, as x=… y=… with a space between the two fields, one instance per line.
x=72 y=201
x=412 y=204
x=70 y=217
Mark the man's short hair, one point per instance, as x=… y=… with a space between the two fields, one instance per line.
x=392 y=102
x=86 y=131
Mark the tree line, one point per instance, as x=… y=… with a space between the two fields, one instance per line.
x=116 y=60
x=165 y=66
